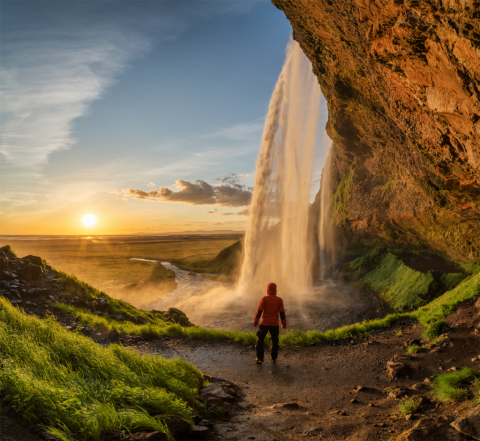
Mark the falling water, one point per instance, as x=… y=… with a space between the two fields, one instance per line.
x=278 y=246
x=326 y=236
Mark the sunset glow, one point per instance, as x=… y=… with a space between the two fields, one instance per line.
x=89 y=220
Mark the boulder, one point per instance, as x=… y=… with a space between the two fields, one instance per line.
x=395 y=369
x=8 y=251
x=469 y=423
x=215 y=390
x=34 y=259
x=215 y=402
x=178 y=426
x=34 y=271
x=431 y=430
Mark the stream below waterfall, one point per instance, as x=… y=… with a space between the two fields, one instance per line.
x=212 y=304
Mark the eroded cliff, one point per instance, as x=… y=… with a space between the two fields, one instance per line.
x=402 y=81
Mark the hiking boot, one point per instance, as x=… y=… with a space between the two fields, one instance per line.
x=258 y=361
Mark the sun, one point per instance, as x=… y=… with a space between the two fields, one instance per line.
x=89 y=220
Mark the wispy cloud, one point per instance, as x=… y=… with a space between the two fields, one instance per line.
x=48 y=83
x=240 y=132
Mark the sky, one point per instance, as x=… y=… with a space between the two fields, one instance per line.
x=146 y=114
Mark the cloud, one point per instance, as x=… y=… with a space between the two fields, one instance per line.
x=114 y=191
x=63 y=56
x=151 y=185
x=240 y=132
x=198 y=193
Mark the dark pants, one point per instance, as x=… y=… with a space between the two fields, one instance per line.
x=261 y=334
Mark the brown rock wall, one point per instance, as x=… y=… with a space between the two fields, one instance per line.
x=402 y=81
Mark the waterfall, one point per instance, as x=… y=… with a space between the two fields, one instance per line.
x=279 y=243
x=326 y=236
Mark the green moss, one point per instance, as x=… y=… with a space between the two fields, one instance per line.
x=399 y=285
x=341 y=198
x=388 y=185
x=412 y=349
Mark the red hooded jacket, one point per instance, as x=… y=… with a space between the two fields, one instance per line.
x=269 y=308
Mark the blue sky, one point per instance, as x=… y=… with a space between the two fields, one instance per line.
x=99 y=97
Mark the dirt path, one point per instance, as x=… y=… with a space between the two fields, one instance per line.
x=322 y=380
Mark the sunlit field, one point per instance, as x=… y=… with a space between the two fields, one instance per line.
x=105 y=262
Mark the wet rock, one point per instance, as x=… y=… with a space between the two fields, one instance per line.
x=396 y=369
x=120 y=318
x=431 y=430
x=178 y=426
x=469 y=423
x=34 y=271
x=215 y=402
x=215 y=390
x=147 y=436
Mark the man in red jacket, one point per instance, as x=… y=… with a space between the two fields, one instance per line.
x=268 y=309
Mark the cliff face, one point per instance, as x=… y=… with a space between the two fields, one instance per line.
x=402 y=81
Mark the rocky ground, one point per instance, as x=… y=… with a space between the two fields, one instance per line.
x=342 y=390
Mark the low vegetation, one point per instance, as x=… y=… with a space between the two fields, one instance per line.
x=454 y=385
x=409 y=405
x=81 y=390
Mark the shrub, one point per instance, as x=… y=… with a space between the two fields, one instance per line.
x=409 y=405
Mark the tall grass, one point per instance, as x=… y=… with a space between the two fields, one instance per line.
x=81 y=390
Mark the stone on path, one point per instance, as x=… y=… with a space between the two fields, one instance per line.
x=431 y=430
x=215 y=390
x=469 y=423
x=396 y=369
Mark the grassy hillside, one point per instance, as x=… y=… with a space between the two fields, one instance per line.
x=81 y=390
x=227 y=261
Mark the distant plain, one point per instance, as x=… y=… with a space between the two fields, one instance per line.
x=104 y=261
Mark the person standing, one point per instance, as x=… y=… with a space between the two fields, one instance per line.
x=268 y=310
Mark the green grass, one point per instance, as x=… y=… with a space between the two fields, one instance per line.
x=78 y=389
x=399 y=285
x=409 y=405
x=412 y=349
x=433 y=330
x=388 y=185
x=454 y=385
